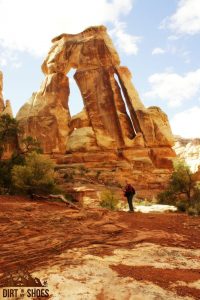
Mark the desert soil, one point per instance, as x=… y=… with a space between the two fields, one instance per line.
x=98 y=254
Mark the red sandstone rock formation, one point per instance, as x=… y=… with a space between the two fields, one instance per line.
x=1 y=95
x=103 y=84
x=189 y=150
x=114 y=123
x=4 y=108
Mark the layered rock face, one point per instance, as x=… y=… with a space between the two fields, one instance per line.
x=104 y=84
x=114 y=123
x=1 y=94
x=4 y=108
x=189 y=150
x=45 y=116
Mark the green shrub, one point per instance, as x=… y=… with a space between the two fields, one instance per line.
x=6 y=170
x=8 y=132
x=5 y=175
x=98 y=173
x=109 y=200
x=181 y=180
x=194 y=207
x=196 y=195
x=166 y=197
x=31 y=144
x=183 y=191
x=68 y=176
x=182 y=205
x=197 y=208
x=191 y=211
x=35 y=176
x=69 y=197
x=82 y=170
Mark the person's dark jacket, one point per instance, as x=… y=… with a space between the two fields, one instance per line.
x=129 y=190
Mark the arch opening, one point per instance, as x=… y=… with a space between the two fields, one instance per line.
x=125 y=102
x=75 y=102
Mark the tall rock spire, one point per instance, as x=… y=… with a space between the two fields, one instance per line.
x=1 y=94
x=8 y=109
x=5 y=108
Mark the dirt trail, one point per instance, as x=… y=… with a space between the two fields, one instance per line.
x=97 y=254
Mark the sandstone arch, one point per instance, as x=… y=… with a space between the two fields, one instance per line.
x=104 y=123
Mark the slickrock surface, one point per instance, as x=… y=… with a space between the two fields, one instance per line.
x=97 y=254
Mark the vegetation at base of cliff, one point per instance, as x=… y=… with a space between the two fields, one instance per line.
x=109 y=200
x=30 y=144
x=27 y=171
x=183 y=191
x=6 y=167
x=8 y=132
x=8 y=135
x=36 y=175
x=27 y=174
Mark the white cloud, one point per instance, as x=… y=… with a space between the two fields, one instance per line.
x=17 y=65
x=30 y=25
x=174 y=88
x=186 y=19
x=186 y=56
x=173 y=50
x=126 y=42
x=173 y=37
x=8 y=57
x=3 y=62
x=158 y=51
x=187 y=123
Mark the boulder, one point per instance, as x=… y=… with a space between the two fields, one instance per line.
x=82 y=139
x=79 y=120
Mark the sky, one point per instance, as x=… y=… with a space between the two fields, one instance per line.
x=158 y=40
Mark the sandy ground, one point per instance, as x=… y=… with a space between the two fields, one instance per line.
x=97 y=254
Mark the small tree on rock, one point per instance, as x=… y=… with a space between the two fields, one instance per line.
x=181 y=182
x=31 y=144
x=182 y=190
x=109 y=200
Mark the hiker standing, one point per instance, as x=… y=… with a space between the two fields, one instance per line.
x=129 y=192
